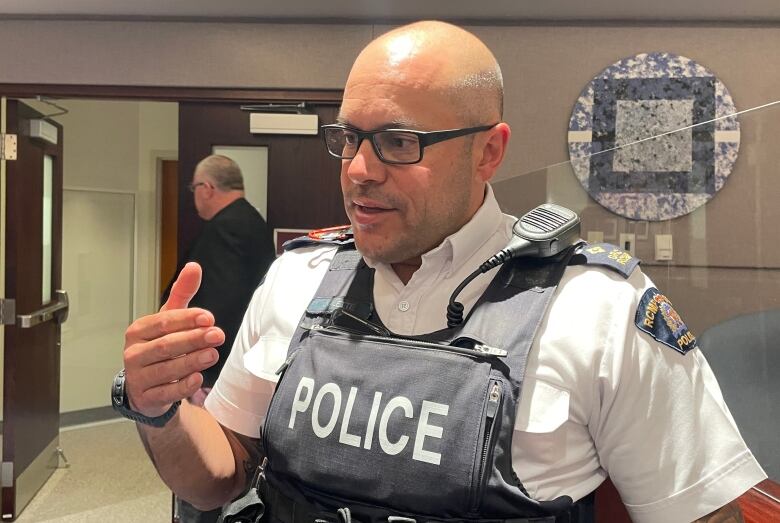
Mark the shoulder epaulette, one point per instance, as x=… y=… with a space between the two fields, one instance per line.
x=605 y=255
x=340 y=235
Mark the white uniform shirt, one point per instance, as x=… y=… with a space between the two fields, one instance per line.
x=600 y=397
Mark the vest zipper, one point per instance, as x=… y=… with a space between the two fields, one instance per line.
x=280 y=372
x=491 y=412
x=283 y=368
x=480 y=350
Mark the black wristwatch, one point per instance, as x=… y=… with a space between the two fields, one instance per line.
x=122 y=405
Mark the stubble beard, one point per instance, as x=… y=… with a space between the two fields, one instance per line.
x=410 y=244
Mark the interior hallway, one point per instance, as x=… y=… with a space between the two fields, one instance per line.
x=110 y=478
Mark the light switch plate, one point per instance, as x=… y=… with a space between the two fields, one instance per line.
x=664 y=247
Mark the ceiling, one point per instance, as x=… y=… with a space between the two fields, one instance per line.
x=487 y=11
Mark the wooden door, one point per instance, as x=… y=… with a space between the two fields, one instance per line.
x=31 y=366
x=303 y=179
x=169 y=212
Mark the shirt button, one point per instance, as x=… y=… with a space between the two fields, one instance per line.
x=403 y=306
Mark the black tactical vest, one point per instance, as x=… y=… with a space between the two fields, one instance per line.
x=374 y=427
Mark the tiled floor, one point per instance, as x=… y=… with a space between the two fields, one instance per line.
x=110 y=479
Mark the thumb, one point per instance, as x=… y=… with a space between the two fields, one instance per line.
x=184 y=288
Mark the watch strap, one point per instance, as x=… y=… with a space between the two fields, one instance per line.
x=121 y=404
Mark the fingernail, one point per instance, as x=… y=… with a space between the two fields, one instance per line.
x=213 y=336
x=206 y=356
x=203 y=320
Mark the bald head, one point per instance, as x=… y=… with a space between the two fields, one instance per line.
x=423 y=77
x=222 y=171
x=440 y=58
x=217 y=182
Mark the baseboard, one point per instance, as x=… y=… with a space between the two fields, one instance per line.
x=80 y=417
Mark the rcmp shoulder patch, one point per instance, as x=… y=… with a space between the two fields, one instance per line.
x=340 y=235
x=656 y=316
x=605 y=255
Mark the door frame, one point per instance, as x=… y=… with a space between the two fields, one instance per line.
x=171 y=94
x=152 y=93
x=168 y=94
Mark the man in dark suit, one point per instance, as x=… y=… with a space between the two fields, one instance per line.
x=234 y=250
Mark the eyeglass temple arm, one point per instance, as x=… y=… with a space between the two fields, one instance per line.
x=433 y=137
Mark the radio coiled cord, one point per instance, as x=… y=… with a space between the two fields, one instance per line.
x=455 y=308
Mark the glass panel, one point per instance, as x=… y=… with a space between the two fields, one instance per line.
x=699 y=206
x=48 y=176
x=253 y=162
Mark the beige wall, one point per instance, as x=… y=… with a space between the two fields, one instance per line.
x=545 y=67
x=180 y=54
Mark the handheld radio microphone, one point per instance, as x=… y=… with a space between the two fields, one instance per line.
x=540 y=233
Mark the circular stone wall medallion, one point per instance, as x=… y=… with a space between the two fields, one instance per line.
x=672 y=173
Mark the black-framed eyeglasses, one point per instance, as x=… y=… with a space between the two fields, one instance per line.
x=194 y=186
x=395 y=146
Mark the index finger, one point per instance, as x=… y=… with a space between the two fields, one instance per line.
x=184 y=288
x=157 y=325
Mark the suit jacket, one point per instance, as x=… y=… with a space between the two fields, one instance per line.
x=235 y=250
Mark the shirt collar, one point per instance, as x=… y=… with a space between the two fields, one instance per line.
x=465 y=242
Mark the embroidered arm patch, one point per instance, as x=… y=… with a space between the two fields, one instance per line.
x=656 y=316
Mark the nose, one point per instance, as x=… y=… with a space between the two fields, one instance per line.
x=365 y=167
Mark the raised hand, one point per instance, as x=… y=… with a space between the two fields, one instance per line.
x=165 y=352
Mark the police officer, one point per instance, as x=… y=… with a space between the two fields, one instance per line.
x=613 y=384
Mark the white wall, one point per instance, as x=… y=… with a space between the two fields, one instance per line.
x=111 y=152
x=115 y=146
x=97 y=272
x=158 y=139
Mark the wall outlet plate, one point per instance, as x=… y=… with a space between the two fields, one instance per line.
x=628 y=243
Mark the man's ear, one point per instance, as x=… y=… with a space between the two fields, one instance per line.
x=491 y=151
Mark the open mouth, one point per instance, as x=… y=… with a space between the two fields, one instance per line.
x=367 y=212
x=370 y=210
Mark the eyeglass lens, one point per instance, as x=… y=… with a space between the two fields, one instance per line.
x=393 y=146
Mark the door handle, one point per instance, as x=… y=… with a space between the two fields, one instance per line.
x=57 y=311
